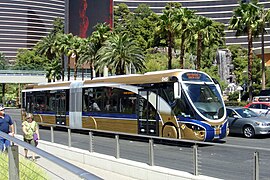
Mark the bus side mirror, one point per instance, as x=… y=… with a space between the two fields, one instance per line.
x=177 y=90
x=217 y=85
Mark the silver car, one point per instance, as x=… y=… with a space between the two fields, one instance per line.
x=246 y=122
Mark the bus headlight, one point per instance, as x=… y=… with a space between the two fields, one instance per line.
x=194 y=127
x=197 y=131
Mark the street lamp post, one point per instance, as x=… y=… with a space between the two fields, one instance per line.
x=239 y=88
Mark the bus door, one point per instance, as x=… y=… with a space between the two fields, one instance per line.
x=60 y=108
x=148 y=121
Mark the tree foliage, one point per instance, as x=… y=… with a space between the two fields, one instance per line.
x=3 y=61
x=94 y=43
x=48 y=47
x=246 y=21
x=118 y=53
x=168 y=27
x=30 y=60
x=177 y=33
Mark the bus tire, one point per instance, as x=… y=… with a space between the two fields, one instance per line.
x=170 y=131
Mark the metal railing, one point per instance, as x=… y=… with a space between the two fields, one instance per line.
x=14 y=160
x=22 y=73
x=196 y=147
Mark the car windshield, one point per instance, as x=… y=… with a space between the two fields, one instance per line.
x=246 y=113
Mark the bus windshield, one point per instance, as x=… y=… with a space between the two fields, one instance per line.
x=206 y=100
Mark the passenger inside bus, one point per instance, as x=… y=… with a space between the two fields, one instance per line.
x=94 y=106
x=107 y=106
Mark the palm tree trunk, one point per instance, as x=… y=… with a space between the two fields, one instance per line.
x=3 y=93
x=199 y=51
x=250 y=61
x=122 y=70
x=182 y=53
x=68 y=68
x=63 y=67
x=82 y=73
x=263 y=61
x=170 y=50
x=75 y=68
x=91 y=69
x=182 y=48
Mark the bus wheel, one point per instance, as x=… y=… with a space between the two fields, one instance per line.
x=169 y=131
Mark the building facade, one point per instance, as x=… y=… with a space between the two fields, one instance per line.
x=218 y=10
x=24 y=22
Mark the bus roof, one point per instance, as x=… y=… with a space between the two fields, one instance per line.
x=149 y=77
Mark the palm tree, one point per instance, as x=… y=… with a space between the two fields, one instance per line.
x=101 y=33
x=53 y=70
x=89 y=54
x=49 y=45
x=75 y=49
x=93 y=44
x=265 y=16
x=70 y=45
x=61 y=47
x=119 y=52
x=44 y=46
x=184 y=16
x=246 y=20
x=207 y=33
x=168 y=27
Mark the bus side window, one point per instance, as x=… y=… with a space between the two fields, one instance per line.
x=182 y=109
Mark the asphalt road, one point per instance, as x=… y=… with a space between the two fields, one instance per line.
x=216 y=161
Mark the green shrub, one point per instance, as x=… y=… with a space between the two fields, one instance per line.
x=234 y=96
x=235 y=103
x=28 y=169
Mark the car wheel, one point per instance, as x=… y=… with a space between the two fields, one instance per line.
x=248 y=131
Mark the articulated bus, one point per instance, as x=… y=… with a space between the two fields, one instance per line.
x=176 y=103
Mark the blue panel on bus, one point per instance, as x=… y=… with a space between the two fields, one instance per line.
x=210 y=131
x=48 y=112
x=111 y=115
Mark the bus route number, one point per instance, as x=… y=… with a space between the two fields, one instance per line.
x=165 y=79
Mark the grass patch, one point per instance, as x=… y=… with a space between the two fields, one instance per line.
x=28 y=169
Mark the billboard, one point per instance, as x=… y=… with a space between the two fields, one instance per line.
x=83 y=15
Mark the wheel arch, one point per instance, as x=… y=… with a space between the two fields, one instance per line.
x=171 y=124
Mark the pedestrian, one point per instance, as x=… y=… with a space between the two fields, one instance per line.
x=6 y=126
x=30 y=133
